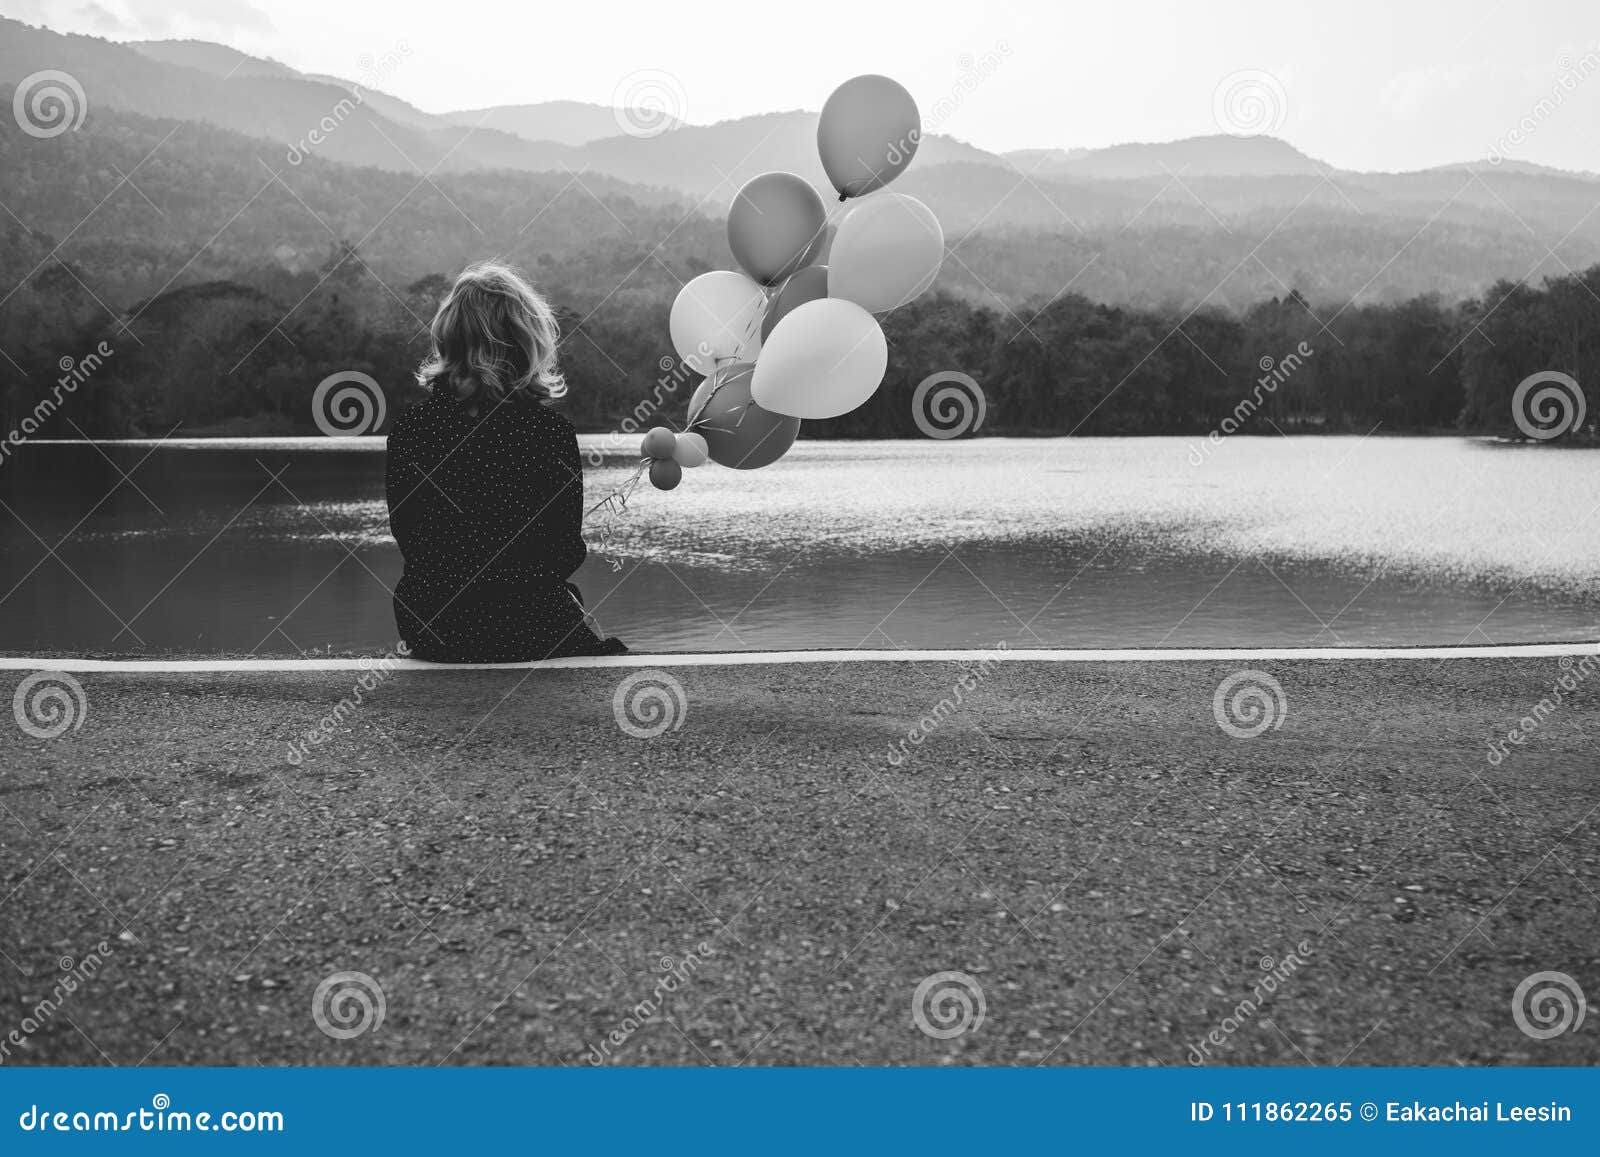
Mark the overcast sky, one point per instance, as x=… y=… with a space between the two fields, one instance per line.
x=1363 y=84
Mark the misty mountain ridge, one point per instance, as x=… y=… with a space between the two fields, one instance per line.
x=1177 y=221
x=1207 y=156
x=206 y=56
x=571 y=122
x=564 y=122
x=564 y=127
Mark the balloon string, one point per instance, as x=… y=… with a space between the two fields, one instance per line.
x=614 y=504
x=834 y=213
x=617 y=501
x=767 y=294
x=717 y=381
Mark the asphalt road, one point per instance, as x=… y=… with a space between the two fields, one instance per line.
x=518 y=877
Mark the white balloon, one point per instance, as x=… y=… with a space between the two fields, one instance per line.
x=887 y=252
x=691 y=450
x=716 y=316
x=823 y=359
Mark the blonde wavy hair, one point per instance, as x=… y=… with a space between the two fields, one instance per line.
x=494 y=339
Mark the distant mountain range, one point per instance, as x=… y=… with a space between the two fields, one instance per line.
x=1218 y=220
x=563 y=122
x=1213 y=156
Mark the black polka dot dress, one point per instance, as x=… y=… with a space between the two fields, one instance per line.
x=487 y=510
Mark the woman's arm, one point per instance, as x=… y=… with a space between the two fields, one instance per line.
x=401 y=477
x=568 y=548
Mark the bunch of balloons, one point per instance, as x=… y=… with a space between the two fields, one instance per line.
x=670 y=454
x=793 y=336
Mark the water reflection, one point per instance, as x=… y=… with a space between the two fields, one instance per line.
x=282 y=548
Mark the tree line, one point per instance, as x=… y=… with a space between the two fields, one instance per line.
x=243 y=355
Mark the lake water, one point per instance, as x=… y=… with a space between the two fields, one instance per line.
x=281 y=546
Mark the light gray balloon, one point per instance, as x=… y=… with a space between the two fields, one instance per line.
x=867 y=134
x=887 y=253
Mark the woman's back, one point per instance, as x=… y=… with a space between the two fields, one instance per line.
x=500 y=492
x=485 y=486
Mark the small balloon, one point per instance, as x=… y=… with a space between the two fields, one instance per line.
x=887 y=253
x=773 y=223
x=824 y=359
x=867 y=134
x=713 y=316
x=658 y=443
x=809 y=284
x=691 y=450
x=665 y=474
x=739 y=433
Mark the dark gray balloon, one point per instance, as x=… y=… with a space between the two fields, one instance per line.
x=808 y=284
x=867 y=134
x=773 y=223
x=739 y=433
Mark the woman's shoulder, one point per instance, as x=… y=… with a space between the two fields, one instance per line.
x=415 y=417
x=539 y=416
x=435 y=412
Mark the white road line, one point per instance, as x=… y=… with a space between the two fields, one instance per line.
x=782 y=658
